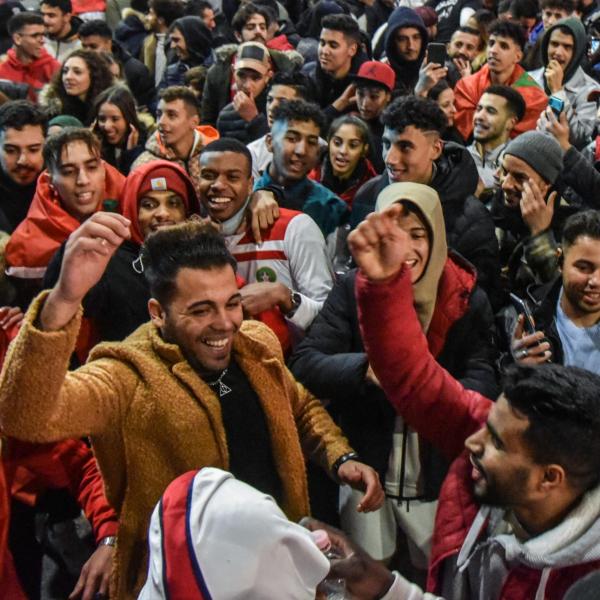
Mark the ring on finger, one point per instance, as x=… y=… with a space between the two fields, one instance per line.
x=523 y=353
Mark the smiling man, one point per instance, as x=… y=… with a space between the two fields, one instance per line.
x=519 y=512
x=195 y=387
x=73 y=186
x=28 y=61
x=566 y=311
x=290 y=269
x=526 y=210
x=499 y=109
x=413 y=151
x=504 y=52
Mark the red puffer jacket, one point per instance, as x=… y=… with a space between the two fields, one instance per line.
x=437 y=406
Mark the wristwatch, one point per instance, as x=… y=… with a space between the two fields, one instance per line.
x=296 y=299
x=109 y=540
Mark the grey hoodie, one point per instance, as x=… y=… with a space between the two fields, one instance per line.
x=581 y=113
x=484 y=563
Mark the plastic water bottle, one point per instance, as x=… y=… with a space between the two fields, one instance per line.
x=334 y=589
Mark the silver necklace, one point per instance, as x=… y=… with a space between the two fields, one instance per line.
x=223 y=389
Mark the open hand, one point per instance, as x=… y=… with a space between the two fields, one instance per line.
x=536 y=212
x=264 y=211
x=95 y=575
x=133 y=138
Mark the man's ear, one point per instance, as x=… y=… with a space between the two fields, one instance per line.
x=554 y=476
x=157 y=314
x=511 y=123
x=438 y=147
x=238 y=36
x=560 y=257
x=520 y=55
x=269 y=142
x=354 y=49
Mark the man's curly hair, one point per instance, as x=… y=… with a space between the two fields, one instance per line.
x=299 y=110
x=421 y=113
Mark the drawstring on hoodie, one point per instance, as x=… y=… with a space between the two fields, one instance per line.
x=541 y=591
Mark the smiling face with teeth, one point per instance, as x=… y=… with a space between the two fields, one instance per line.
x=225 y=183
x=420 y=244
x=79 y=179
x=581 y=281
x=202 y=316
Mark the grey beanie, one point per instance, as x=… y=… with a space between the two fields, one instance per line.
x=540 y=151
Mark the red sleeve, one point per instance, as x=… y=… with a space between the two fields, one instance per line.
x=86 y=485
x=465 y=104
x=427 y=397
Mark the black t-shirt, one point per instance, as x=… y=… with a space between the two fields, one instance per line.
x=248 y=440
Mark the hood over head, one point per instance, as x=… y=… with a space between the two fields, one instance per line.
x=404 y=17
x=161 y=175
x=47 y=225
x=575 y=26
x=427 y=201
x=238 y=540
x=198 y=38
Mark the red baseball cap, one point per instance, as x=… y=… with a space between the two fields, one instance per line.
x=377 y=72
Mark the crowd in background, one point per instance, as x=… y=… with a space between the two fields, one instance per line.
x=409 y=196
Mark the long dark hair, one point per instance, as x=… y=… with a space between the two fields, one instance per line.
x=123 y=99
x=100 y=79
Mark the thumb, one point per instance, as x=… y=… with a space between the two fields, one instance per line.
x=518 y=333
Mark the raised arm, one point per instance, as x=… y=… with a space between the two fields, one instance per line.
x=39 y=400
x=431 y=401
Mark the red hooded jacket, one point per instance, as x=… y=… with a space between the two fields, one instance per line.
x=435 y=405
x=36 y=73
x=46 y=226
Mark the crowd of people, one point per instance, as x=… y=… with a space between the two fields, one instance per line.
x=268 y=259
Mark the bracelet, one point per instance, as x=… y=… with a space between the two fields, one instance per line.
x=109 y=540
x=342 y=459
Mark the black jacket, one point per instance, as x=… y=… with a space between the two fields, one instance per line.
x=469 y=226
x=131 y=33
x=139 y=79
x=328 y=89
x=407 y=72
x=118 y=303
x=542 y=301
x=331 y=362
x=14 y=201
x=230 y=124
